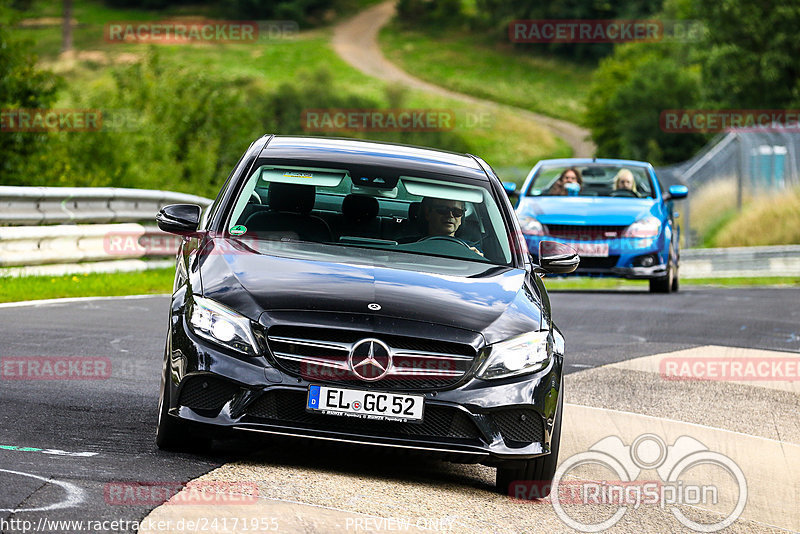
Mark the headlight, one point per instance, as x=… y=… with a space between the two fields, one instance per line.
x=646 y=227
x=519 y=355
x=222 y=325
x=531 y=226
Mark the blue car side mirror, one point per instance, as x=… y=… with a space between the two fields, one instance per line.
x=676 y=192
x=510 y=187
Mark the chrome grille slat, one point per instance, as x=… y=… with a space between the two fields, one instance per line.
x=310 y=359
x=421 y=371
x=313 y=343
x=430 y=355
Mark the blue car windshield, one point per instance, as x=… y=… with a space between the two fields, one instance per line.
x=593 y=180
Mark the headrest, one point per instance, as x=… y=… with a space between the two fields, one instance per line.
x=294 y=198
x=360 y=208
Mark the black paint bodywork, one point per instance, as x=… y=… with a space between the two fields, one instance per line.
x=488 y=304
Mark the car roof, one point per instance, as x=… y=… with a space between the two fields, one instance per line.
x=589 y=161
x=374 y=154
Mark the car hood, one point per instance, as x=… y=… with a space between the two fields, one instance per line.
x=595 y=211
x=311 y=277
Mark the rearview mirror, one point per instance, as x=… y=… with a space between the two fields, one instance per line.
x=510 y=187
x=557 y=258
x=179 y=218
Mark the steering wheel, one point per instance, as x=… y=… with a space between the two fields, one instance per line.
x=445 y=238
x=624 y=193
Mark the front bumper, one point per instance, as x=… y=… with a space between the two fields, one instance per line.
x=477 y=421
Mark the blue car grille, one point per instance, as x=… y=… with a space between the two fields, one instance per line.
x=584 y=233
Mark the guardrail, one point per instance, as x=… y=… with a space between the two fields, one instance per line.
x=53 y=205
x=34 y=238
x=740 y=262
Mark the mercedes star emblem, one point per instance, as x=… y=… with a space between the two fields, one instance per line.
x=370 y=359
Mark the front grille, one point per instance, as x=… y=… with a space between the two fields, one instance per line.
x=592 y=264
x=206 y=393
x=288 y=408
x=321 y=355
x=584 y=233
x=519 y=426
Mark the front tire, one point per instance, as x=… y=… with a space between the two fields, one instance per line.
x=539 y=472
x=664 y=284
x=172 y=434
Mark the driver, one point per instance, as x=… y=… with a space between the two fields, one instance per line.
x=624 y=180
x=443 y=218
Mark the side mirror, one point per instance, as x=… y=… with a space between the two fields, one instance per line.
x=510 y=187
x=557 y=258
x=179 y=218
x=676 y=192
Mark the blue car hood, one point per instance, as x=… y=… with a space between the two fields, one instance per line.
x=592 y=211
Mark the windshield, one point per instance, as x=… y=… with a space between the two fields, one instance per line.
x=371 y=210
x=592 y=180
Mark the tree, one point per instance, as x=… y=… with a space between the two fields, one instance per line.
x=22 y=85
x=629 y=91
x=751 y=54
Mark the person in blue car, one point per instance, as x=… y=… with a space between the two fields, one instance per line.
x=568 y=176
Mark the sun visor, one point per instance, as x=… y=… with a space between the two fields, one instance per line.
x=317 y=177
x=423 y=188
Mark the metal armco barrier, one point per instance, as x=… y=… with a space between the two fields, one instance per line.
x=34 y=238
x=53 y=205
x=740 y=261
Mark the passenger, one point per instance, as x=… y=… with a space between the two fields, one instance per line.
x=624 y=180
x=443 y=218
x=569 y=176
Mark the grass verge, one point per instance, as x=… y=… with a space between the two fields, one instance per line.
x=158 y=281
x=587 y=283
x=13 y=289
x=460 y=62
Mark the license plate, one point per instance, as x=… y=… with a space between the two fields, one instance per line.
x=591 y=250
x=374 y=405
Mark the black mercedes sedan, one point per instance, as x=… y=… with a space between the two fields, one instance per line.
x=369 y=293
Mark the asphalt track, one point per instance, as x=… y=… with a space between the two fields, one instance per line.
x=64 y=441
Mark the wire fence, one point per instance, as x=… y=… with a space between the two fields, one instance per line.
x=734 y=166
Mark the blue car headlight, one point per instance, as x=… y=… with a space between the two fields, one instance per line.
x=215 y=322
x=519 y=355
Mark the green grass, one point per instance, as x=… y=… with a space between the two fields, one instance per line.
x=158 y=281
x=468 y=64
x=588 y=283
x=14 y=289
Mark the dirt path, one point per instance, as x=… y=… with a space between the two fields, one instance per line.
x=356 y=41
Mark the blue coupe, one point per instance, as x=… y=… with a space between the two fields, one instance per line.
x=613 y=212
